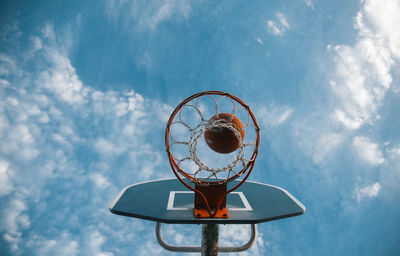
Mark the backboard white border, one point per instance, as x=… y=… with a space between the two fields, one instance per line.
x=171 y=200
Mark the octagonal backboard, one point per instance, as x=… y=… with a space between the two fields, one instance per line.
x=169 y=201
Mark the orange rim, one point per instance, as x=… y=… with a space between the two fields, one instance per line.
x=176 y=168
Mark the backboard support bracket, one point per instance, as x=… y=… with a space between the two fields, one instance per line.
x=205 y=236
x=203 y=213
x=210 y=201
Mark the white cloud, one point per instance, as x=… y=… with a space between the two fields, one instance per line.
x=361 y=77
x=99 y=180
x=310 y=4
x=5 y=184
x=23 y=133
x=367 y=150
x=37 y=43
x=48 y=31
x=145 y=61
x=120 y=105
x=363 y=71
x=61 y=244
x=395 y=152
x=4 y=124
x=347 y=121
x=237 y=235
x=150 y=248
x=274 y=29
x=325 y=146
x=62 y=80
x=274 y=115
x=20 y=141
x=104 y=146
x=7 y=65
x=282 y=19
x=96 y=241
x=3 y=82
x=368 y=191
x=383 y=16
x=12 y=221
x=149 y=16
x=61 y=135
x=280 y=26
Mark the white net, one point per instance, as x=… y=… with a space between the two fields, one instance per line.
x=190 y=153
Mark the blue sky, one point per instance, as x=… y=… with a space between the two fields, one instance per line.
x=87 y=87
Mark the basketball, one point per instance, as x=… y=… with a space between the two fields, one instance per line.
x=222 y=139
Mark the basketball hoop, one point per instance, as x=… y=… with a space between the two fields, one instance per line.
x=231 y=140
x=224 y=133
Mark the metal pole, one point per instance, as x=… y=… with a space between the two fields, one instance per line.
x=209 y=240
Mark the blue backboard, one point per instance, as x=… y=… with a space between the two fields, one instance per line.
x=169 y=201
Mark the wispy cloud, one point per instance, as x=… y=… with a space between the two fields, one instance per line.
x=7 y=66
x=236 y=235
x=273 y=115
x=395 y=152
x=363 y=71
x=48 y=31
x=61 y=244
x=5 y=183
x=310 y=4
x=368 y=191
x=64 y=141
x=14 y=222
x=381 y=17
x=61 y=79
x=325 y=146
x=146 y=16
x=368 y=151
x=279 y=25
x=360 y=78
